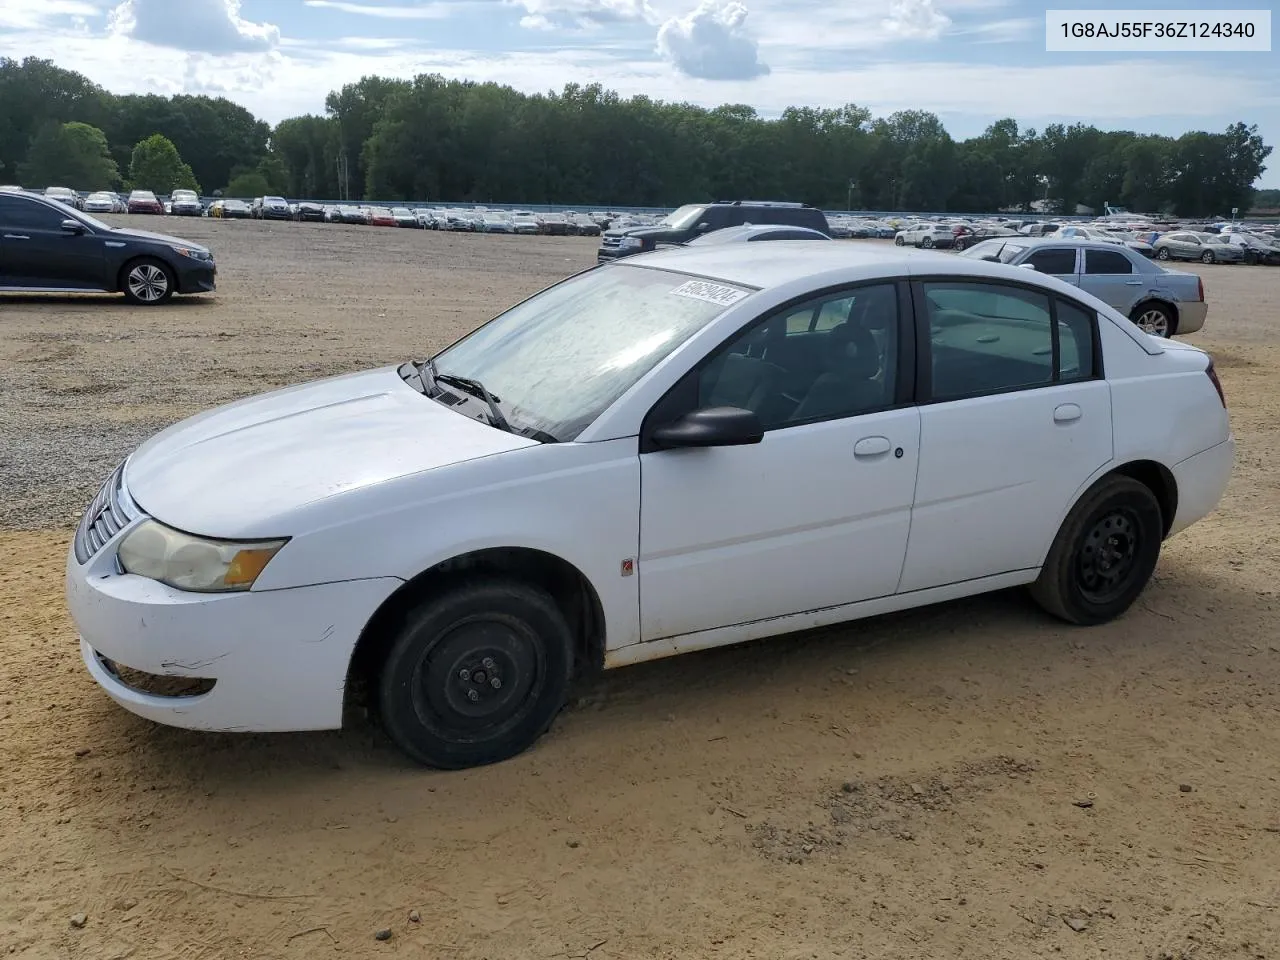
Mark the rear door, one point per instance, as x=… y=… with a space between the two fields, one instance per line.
x=1110 y=276
x=1014 y=418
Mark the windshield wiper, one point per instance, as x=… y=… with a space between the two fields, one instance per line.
x=475 y=388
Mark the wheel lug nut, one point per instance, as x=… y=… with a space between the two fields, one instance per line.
x=464 y=674
x=473 y=695
x=488 y=663
x=495 y=682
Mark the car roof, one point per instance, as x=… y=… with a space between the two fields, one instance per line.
x=1025 y=241
x=761 y=266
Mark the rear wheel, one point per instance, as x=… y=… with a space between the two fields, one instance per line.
x=148 y=282
x=1207 y=257
x=1162 y=253
x=898 y=241
x=1155 y=319
x=927 y=243
x=1104 y=553
x=476 y=674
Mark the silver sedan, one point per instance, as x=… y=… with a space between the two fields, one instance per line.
x=1205 y=247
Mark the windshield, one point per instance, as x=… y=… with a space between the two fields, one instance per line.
x=184 y=194
x=559 y=360
x=684 y=217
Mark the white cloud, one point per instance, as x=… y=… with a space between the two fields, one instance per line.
x=581 y=14
x=425 y=11
x=915 y=20
x=32 y=15
x=711 y=43
x=207 y=26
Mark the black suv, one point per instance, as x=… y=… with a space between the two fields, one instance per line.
x=46 y=245
x=695 y=219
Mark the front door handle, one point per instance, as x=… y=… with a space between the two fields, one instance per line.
x=872 y=447
x=1133 y=283
x=1066 y=413
x=16 y=236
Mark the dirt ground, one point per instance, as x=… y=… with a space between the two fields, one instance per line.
x=971 y=780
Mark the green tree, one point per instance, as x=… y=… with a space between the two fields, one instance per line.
x=247 y=185
x=157 y=166
x=70 y=154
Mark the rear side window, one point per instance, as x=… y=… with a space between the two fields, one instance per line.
x=1056 y=260
x=1075 y=342
x=21 y=213
x=1106 y=261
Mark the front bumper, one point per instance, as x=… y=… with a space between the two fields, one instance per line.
x=197 y=276
x=277 y=659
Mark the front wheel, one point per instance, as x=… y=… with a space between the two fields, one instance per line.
x=148 y=282
x=1207 y=257
x=476 y=674
x=1104 y=553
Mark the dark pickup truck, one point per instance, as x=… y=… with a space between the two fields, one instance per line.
x=696 y=219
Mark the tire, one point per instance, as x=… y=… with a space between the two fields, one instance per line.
x=148 y=282
x=1207 y=257
x=898 y=241
x=438 y=690
x=1080 y=585
x=1155 y=318
x=1163 y=254
x=927 y=243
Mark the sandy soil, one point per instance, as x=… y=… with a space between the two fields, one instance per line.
x=973 y=780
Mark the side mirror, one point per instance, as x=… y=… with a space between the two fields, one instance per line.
x=73 y=226
x=711 y=427
x=703 y=227
x=1027 y=266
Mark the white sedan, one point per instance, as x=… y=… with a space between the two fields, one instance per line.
x=681 y=450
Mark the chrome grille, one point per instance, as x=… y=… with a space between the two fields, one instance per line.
x=106 y=516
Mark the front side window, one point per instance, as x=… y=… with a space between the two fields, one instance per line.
x=1106 y=261
x=24 y=214
x=829 y=358
x=560 y=359
x=1054 y=260
x=987 y=338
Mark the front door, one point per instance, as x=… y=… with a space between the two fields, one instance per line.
x=814 y=516
x=1060 y=262
x=38 y=252
x=1014 y=420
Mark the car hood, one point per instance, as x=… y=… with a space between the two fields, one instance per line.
x=641 y=232
x=243 y=470
x=157 y=238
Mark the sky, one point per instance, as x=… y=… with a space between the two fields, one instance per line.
x=969 y=61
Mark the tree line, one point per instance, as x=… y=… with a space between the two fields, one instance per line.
x=433 y=139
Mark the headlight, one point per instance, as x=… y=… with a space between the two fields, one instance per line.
x=631 y=243
x=192 y=563
x=193 y=253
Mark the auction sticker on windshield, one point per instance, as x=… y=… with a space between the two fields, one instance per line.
x=710 y=292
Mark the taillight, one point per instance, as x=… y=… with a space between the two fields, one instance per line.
x=1200 y=289
x=1217 y=384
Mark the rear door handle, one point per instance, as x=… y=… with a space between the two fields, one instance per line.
x=1066 y=413
x=16 y=236
x=872 y=447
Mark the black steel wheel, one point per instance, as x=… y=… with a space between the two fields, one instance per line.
x=1104 y=553
x=476 y=674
